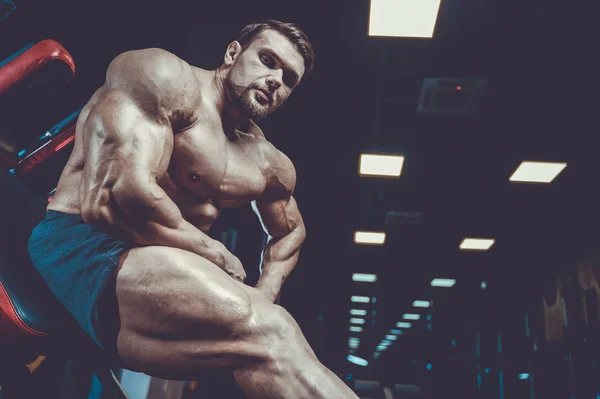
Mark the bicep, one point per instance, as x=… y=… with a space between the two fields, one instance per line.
x=277 y=208
x=278 y=217
x=129 y=130
x=124 y=152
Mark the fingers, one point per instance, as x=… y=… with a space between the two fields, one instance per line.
x=239 y=275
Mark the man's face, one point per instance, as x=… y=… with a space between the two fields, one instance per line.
x=264 y=75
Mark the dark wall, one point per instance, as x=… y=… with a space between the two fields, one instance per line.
x=543 y=323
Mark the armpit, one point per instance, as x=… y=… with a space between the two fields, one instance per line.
x=182 y=119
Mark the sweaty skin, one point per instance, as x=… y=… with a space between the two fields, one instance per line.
x=159 y=150
x=158 y=154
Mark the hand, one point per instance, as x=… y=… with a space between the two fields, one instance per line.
x=231 y=264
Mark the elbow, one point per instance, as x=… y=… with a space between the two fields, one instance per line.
x=104 y=218
x=301 y=231
x=96 y=214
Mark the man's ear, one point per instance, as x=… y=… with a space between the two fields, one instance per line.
x=233 y=51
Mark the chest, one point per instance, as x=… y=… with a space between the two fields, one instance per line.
x=206 y=168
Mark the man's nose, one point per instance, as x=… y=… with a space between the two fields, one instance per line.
x=274 y=82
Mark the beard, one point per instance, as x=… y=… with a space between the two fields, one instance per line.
x=243 y=100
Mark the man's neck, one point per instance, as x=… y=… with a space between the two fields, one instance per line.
x=231 y=118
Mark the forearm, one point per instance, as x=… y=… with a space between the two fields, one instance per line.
x=279 y=259
x=150 y=217
x=183 y=236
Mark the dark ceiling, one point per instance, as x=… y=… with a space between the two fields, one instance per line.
x=541 y=104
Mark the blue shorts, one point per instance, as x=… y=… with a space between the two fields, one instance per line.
x=77 y=261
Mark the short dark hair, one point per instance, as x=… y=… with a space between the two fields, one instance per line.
x=289 y=30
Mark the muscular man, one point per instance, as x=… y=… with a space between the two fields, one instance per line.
x=160 y=148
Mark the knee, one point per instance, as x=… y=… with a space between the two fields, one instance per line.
x=279 y=332
x=282 y=325
x=266 y=322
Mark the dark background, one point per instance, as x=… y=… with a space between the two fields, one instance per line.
x=540 y=58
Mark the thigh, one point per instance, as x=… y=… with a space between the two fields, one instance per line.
x=171 y=311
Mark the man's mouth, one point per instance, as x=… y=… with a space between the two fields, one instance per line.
x=264 y=96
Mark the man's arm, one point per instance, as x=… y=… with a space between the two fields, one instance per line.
x=127 y=141
x=281 y=220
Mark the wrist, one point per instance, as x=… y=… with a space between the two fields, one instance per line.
x=213 y=251
x=269 y=292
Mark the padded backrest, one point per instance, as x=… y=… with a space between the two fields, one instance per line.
x=32 y=320
x=28 y=310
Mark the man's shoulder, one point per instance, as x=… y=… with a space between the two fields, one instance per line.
x=157 y=78
x=150 y=65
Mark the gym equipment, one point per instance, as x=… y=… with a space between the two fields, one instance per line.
x=32 y=321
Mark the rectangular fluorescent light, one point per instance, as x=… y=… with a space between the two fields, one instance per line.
x=353 y=345
x=358 y=312
x=391 y=337
x=369 y=237
x=357 y=360
x=403 y=18
x=537 y=172
x=397 y=332
x=355 y=329
x=380 y=165
x=443 y=282
x=402 y=324
x=411 y=316
x=385 y=342
x=364 y=278
x=476 y=244
x=360 y=299
x=352 y=339
x=421 y=304
x=381 y=348
x=357 y=321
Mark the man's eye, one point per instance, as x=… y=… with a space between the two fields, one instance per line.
x=266 y=60
x=289 y=81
